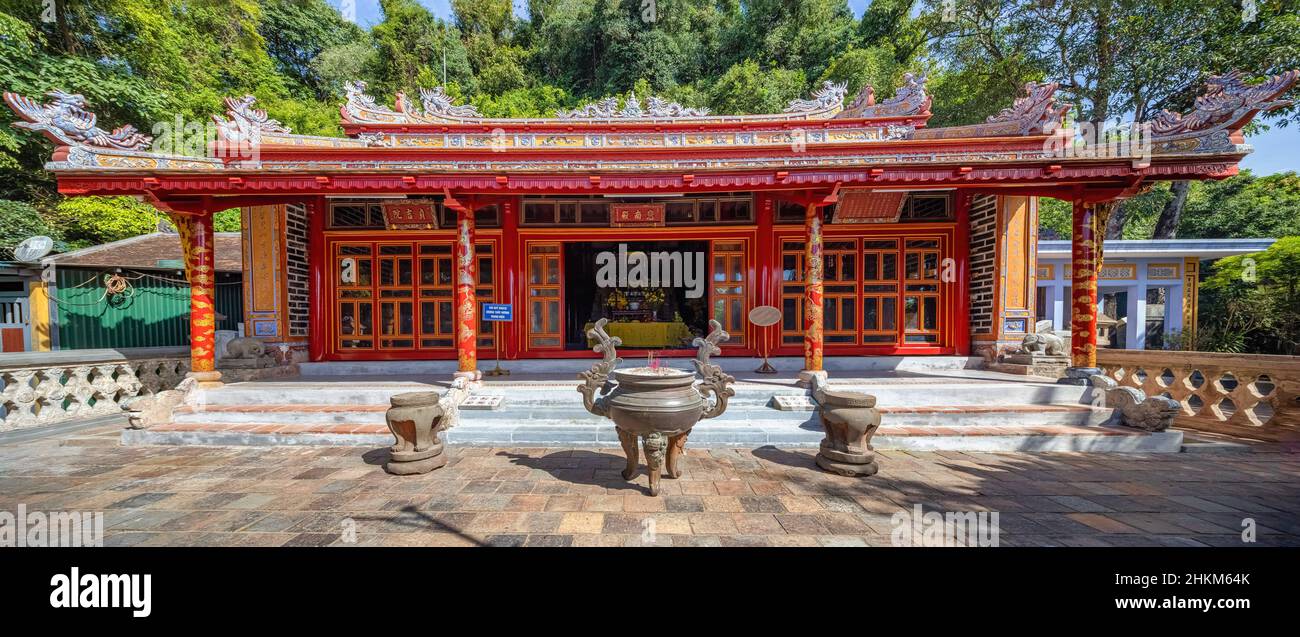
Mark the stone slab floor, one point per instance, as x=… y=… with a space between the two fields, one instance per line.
x=340 y=496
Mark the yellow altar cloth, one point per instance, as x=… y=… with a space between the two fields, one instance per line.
x=666 y=334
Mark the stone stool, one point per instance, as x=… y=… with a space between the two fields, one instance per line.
x=849 y=420
x=415 y=419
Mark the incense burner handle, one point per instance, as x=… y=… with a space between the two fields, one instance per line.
x=596 y=386
x=713 y=379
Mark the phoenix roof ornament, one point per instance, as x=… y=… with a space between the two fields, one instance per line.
x=67 y=122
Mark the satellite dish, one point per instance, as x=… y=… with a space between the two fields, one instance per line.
x=33 y=248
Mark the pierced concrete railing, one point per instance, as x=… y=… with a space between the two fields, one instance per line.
x=1247 y=395
x=42 y=388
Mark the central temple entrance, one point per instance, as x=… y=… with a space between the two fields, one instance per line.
x=658 y=294
x=654 y=293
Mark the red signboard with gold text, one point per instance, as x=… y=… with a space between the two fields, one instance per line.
x=631 y=215
x=411 y=215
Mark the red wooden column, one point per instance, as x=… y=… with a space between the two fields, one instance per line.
x=197 y=242
x=319 y=330
x=812 y=305
x=1085 y=261
x=466 y=277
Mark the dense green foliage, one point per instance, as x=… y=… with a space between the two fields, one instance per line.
x=19 y=221
x=1253 y=302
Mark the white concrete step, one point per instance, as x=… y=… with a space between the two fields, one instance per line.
x=562 y=393
x=571 y=415
x=705 y=434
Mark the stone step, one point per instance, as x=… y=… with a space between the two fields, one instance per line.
x=570 y=415
x=564 y=393
x=1021 y=438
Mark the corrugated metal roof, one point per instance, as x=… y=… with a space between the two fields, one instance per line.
x=145 y=251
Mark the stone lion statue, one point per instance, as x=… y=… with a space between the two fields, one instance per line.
x=1044 y=341
x=247 y=348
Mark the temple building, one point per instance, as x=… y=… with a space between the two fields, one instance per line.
x=872 y=233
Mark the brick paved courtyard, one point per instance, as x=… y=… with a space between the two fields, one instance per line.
x=313 y=496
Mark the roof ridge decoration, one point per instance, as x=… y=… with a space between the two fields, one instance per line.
x=909 y=99
x=246 y=124
x=1226 y=104
x=437 y=103
x=82 y=144
x=66 y=122
x=1035 y=113
x=829 y=96
x=656 y=108
x=360 y=108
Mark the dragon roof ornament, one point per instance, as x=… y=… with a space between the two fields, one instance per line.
x=829 y=96
x=608 y=108
x=1226 y=105
x=1037 y=112
x=246 y=124
x=437 y=103
x=909 y=99
x=66 y=122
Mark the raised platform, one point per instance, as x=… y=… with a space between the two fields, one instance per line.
x=937 y=405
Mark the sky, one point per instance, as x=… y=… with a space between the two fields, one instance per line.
x=1275 y=149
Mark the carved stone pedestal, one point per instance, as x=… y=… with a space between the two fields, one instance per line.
x=849 y=420
x=1044 y=365
x=415 y=419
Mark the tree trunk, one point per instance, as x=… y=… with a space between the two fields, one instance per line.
x=1167 y=225
x=1118 y=218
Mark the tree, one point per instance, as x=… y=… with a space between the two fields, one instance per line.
x=1243 y=206
x=297 y=32
x=18 y=221
x=745 y=88
x=417 y=50
x=86 y=221
x=803 y=35
x=1251 y=303
x=861 y=67
x=1118 y=58
x=344 y=63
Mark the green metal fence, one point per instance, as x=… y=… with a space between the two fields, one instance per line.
x=152 y=311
